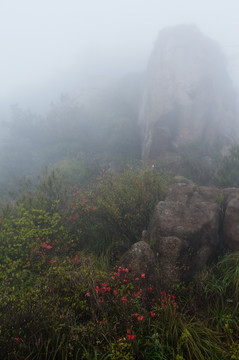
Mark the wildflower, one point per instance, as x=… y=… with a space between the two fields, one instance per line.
x=52 y=261
x=46 y=246
x=125 y=281
x=28 y=263
x=131 y=337
x=115 y=292
x=124 y=299
x=140 y=318
x=128 y=331
x=76 y=257
x=152 y=313
x=104 y=284
x=137 y=279
x=93 y=208
x=126 y=270
x=97 y=288
x=135 y=314
x=88 y=294
x=17 y=339
x=150 y=289
x=143 y=276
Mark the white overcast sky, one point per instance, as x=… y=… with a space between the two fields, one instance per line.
x=45 y=42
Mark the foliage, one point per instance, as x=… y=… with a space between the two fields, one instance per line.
x=117 y=208
x=61 y=297
x=228 y=169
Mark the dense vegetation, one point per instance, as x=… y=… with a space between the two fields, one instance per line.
x=63 y=294
x=62 y=297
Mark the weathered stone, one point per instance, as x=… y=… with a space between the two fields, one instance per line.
x=140 y=259
x=184 y=231
x=188 y=95
x=231 y=220
x=189 y=229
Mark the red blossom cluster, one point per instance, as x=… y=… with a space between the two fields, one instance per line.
x=129 y=335
x=41 y=251
x=167 y=299
x=108 y=293
x=81 y=204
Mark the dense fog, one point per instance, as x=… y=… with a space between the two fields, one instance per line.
x=72 y=75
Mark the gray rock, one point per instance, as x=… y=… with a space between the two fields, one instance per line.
x=140 y=259
x=188 y=94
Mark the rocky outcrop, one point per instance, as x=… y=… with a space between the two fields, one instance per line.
x=192 y=227
x=140 y=259
x=188 y=97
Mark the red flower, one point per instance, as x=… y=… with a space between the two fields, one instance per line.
x=114 y=292
x=140 y=318
x=150 y=289
x=52 y=261
x=143 y=276
x=131 y=337
x=136 y=279
x=17 y=339
x=76 y=257
x=152 y=313
x=88 y=294
x=125 y=281
x=28 y=263
x=93 y=208
x=46 y=246
x=124 y=299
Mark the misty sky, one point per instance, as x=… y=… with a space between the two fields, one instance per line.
x=52 y=44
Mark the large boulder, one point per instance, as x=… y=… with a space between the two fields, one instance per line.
x=184 y=231
x=188 y=95
x=191 y=228
x=140 y=259
x=231 y=219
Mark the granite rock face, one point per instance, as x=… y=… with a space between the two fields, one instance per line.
x=188 y=94
x=193 y=226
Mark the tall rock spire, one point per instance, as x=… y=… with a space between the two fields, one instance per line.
x=188 y=95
